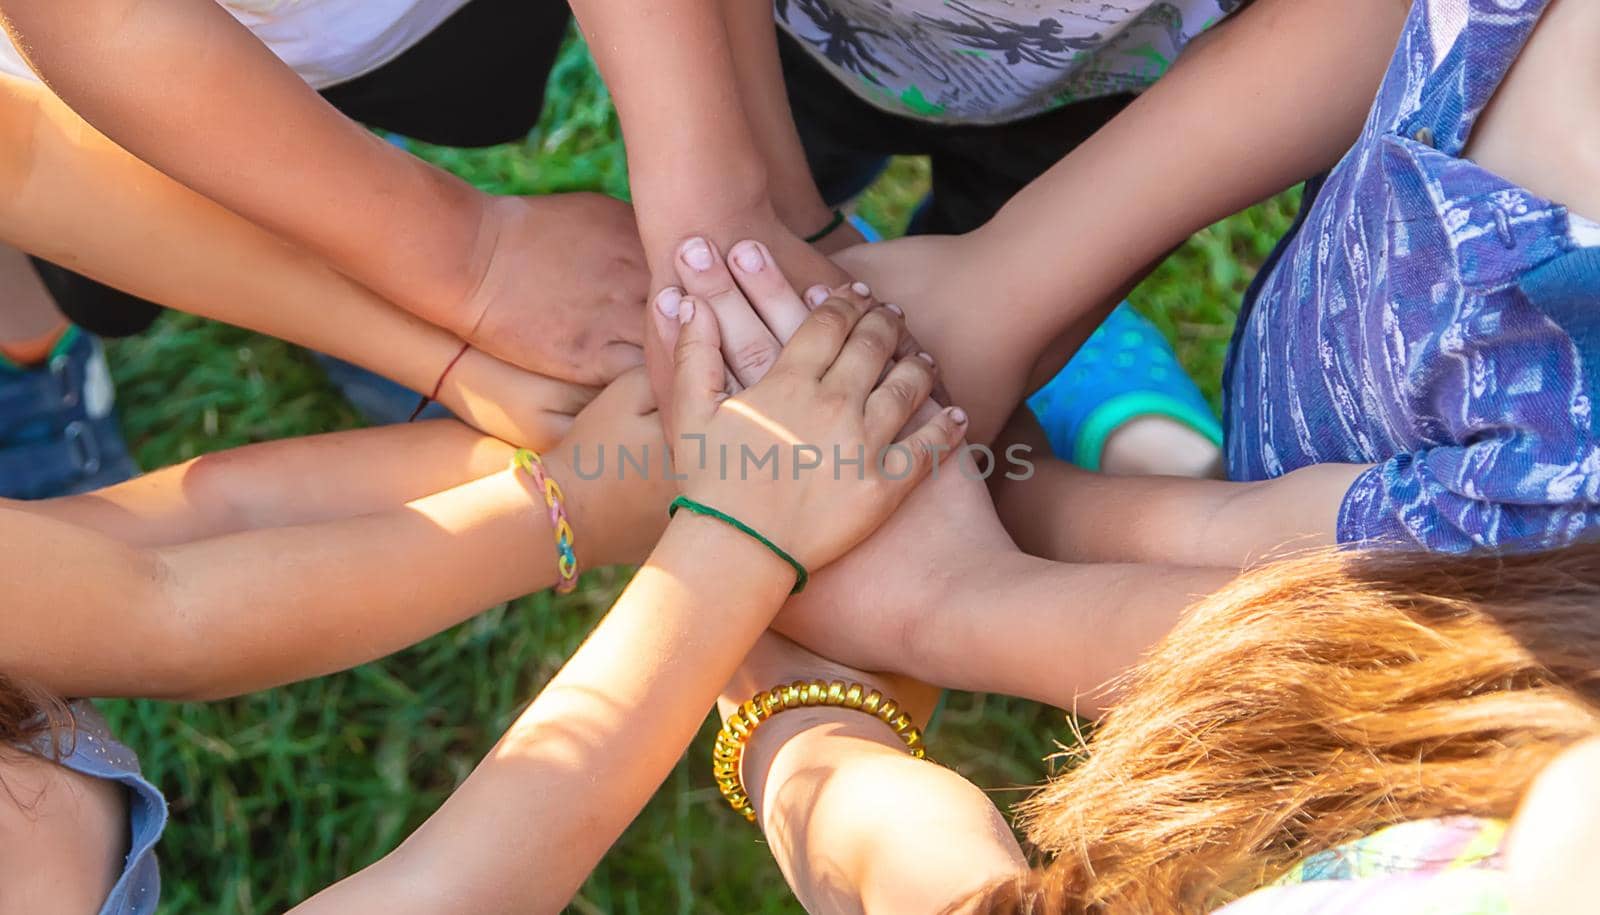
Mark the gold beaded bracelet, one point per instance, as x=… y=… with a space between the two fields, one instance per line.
x=741 y=726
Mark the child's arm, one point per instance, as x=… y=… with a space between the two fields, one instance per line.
x=855 y=823
x=522 y=833
x=82 y=201
x=185 y=87
x=698 y=158
x=1231 y=124
x=758 y=72
x=1093 y=517
x=279 y=484
x=92 y=615
x=1175 y=520
x=524 y=830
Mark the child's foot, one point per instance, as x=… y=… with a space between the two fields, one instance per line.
x=1124 y=405
x=59 y=432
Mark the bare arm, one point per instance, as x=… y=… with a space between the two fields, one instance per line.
x=81 y=201
x=1095 y=517
x=104 y=614
x=551 y=284
x=147 y=72
x=93 y=616
x=758 y=73
x=1176 y=520
x=1211 y=138
x=855 y=823
x=697 y=156
x=524 y=830
x=283 y=483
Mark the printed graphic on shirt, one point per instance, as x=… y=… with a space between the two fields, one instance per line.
x=992 y=61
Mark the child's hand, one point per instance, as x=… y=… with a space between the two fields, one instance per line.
x=964 y=314
x=562 y=287
x=613 y=468
x=807 y=455
x=756 y=306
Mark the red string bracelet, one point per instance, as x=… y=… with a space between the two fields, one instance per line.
x=438 y=385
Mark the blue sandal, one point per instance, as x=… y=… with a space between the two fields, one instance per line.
x=1125 y=370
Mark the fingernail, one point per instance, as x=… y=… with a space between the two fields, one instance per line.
x=816 y=295
x=861 y=288
x=896 y=309
x=747 y=255
x=958 y=415
x=926 y=357
x=697 y=254
x=686 y=311
x=668 y=301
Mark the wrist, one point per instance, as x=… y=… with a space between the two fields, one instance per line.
x=724 y=216
x=742 y=554
x=804 y=219
x=478 y=263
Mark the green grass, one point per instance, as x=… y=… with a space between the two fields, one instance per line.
x=277 y=795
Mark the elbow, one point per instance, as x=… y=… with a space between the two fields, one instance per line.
x=176 y=661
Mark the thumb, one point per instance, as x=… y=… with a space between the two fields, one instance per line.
x=699 y=381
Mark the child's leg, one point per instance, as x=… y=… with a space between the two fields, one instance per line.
x=30 y=322
x=1124 y=405
x=80 y=200
x=58 y=431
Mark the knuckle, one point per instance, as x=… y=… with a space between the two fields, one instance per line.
x=916 y=371
x=831 y=316
x=902 y=391
x=753 y=358
x=833 y=400
x=875 y=344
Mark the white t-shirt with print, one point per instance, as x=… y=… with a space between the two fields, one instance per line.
x=327 y=42
x=993 y=61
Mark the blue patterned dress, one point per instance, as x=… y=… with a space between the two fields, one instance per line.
x=1430 y=318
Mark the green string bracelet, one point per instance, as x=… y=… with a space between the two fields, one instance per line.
x=834 y=223
x=801 y=575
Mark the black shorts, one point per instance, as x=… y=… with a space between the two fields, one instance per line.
x=476 y=80
x=976 y=169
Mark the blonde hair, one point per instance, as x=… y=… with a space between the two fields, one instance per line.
x=1311 y=703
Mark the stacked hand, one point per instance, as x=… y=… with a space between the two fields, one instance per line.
x=916 y=562
x=808 y=454
x=560 y=288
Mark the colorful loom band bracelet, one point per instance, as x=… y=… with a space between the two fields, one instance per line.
x=566 y=558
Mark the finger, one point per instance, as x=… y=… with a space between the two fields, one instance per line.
x=858 y=295
x=908 y=461
x=814 y=347
x=748 y=346
x=631 y=393
x=698 y=371
x=661 y=343
x=897 y=398
x=767 y=290
x=862 y=360
x=618 y=358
